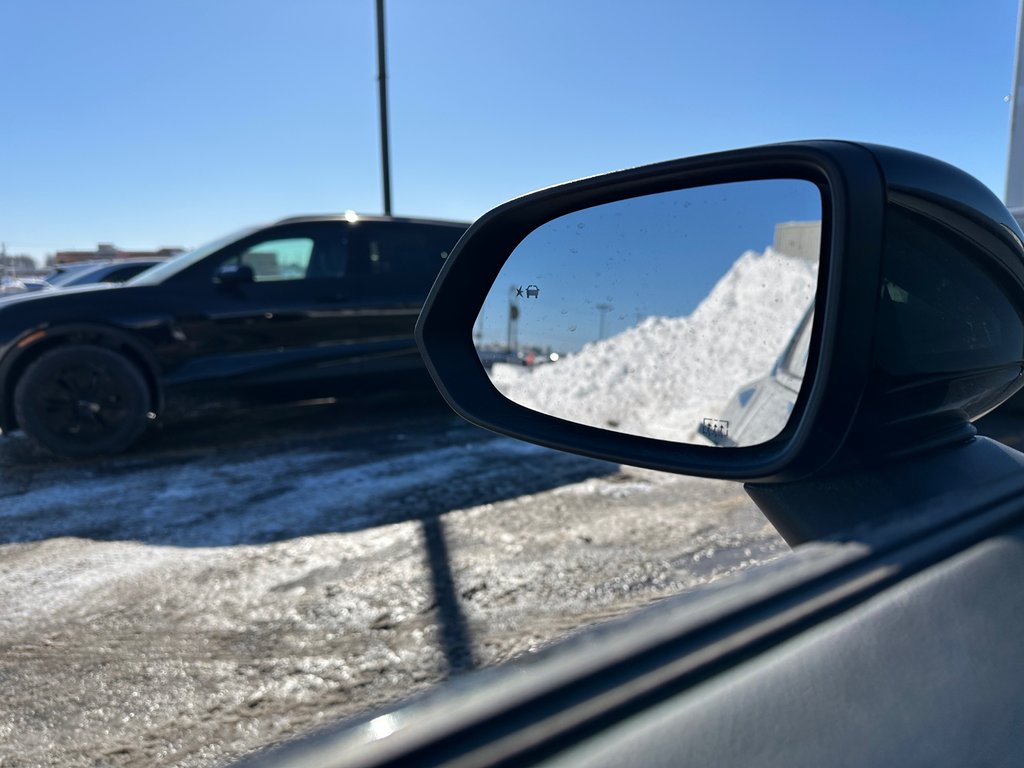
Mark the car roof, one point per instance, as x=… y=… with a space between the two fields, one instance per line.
x=106 y=262
x=351 y=216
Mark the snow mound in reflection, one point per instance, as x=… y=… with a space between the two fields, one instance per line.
x=661 y=377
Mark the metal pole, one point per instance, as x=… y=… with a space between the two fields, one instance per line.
x=382 y=87
x=512 y=340
x=602 y=309
x=1015 y=163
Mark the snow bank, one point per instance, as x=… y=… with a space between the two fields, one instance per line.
x=661 y=377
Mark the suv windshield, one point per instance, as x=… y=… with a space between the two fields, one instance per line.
x=159 y=273
x=67 y=273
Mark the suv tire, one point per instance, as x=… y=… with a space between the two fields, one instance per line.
x=82 y=400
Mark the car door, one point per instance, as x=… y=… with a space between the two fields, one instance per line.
x=392 y=265
x=281 y=325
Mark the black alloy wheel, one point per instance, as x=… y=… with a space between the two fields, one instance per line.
x=82 y=400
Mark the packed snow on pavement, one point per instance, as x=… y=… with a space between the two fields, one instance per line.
x=186 y=608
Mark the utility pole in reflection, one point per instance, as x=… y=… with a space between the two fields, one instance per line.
x=512 y=342
x=382 y=88
x=603 y=309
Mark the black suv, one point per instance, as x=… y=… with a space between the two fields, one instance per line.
x=305 y=304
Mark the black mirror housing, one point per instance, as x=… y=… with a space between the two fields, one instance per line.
x=234 y=274
x=873 y=385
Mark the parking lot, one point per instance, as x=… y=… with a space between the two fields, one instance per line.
x=248 y=575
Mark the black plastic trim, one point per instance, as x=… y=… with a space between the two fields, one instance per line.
x=853 y=200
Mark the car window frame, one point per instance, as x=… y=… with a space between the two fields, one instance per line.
x=370 y=286
x=203 y=271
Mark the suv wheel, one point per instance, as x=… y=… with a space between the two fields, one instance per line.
x=82 y=400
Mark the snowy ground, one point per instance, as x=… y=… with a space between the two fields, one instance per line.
x=241 y=581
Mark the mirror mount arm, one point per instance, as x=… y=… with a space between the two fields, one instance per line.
x=234 y=275
x=851 y=504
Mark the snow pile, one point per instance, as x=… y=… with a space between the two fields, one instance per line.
x=661 y=377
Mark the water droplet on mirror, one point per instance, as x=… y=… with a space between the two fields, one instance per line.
x=572 y=329
x=565 y=311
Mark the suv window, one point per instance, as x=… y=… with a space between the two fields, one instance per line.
x=124 y=273
x=310 y=252
x=286 y=259
x=401 y=260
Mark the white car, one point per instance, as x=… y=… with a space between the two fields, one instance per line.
x=14 y=285
x=759 y=410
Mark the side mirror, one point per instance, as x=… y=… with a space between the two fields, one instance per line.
x=234 y=274
x=657 y=307
x=755 y=315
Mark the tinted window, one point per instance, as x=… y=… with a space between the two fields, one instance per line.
x=125 y=273
x=402 y=260
x=65 y=275
x=309 y=251
x=110 y=275
x=286 y=259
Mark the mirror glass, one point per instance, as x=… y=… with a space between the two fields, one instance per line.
x=682 y=315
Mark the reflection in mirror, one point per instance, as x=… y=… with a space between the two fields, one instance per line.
x=683 y=315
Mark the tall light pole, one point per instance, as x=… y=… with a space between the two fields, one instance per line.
x=512 y=340
x=382 y=89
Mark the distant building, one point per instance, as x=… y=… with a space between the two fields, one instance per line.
x=110 y=251
x=798 y=238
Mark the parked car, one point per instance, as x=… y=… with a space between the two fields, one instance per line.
x=760 y=409
x=105 y=271
x=313 y=303
x=10 y=286
x=893 y=638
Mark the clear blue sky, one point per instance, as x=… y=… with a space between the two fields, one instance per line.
x=149 y=123
x=656 y=255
